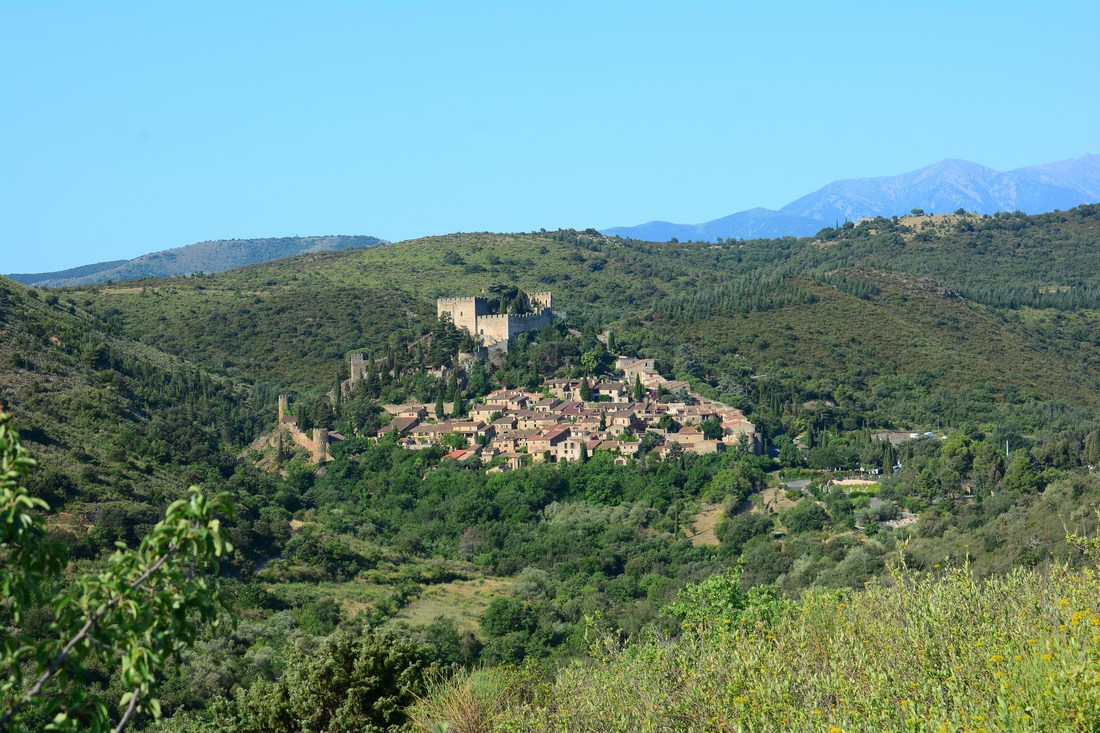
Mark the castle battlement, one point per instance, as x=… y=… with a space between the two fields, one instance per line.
x=471 y=314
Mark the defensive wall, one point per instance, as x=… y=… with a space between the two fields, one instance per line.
x=317 y=445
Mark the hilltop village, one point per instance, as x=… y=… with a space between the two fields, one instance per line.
x=564 y=421
x=571 y=419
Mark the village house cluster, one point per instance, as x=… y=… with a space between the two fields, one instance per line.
x=555 y=425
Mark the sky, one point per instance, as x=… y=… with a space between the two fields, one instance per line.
x=127 y=128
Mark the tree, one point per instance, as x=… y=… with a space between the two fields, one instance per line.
x=805 y=516
x=712 y=428
x=1092 y=447
x=350 y=682
x=590 y=360
x=145 y=606
x=917 y=212
x=439 y=406
x=586 y=390
x=639 y=390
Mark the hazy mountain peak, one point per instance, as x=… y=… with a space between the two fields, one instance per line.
x=942 y=187
x=212 y=256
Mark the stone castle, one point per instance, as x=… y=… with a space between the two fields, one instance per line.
x=495 y=330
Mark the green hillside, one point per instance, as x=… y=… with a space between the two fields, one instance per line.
x=564 y=580
x=111 y=418
x=872 y=314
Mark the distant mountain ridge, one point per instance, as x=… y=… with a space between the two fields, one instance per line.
x=940 y=188
x=213 y=256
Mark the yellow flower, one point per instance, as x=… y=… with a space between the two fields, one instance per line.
x=996 y=658
x=1063 y=602
x=1018 y=658
x=740 y=699
x=834 y=729
x=1046 y=657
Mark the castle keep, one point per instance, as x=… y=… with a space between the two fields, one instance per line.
x=474 y=315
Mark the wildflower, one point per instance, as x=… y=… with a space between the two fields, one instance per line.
x=817 y=712
x=741 y=699
x=834 y=729
x=1046 y=657
x=996 y=658
x=1018 y=658
x=1063 y=602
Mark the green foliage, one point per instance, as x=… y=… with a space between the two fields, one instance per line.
x=362 y=681
x=946 y=652
x=142 y=609
x=719 y=602
x=806 y=516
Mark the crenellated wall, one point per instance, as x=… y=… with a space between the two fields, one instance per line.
x=472 y=315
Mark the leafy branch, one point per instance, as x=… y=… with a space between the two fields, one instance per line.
x=147 y=605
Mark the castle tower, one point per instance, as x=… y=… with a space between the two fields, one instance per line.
x=320 y=444
x=358 y=369
x=540 y=301
x=463 y=312
x=284 y=408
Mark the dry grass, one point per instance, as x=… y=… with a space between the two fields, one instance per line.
x=465 y=703
x=705 y=523
x=461 y=600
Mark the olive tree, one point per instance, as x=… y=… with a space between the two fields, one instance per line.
x=141 y=608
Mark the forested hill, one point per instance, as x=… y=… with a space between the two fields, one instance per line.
x=909 y=320
x=217 y=256
x=111 y=419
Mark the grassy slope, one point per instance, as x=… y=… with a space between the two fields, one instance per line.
x=1020 y=652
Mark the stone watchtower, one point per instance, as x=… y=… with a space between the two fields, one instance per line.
x=284 y=409
x=358 y=369
x=463 y=312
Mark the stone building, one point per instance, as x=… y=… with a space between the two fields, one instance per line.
x=475 y=316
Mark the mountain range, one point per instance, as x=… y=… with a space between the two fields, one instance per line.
x=214 y=256
x=940 y=188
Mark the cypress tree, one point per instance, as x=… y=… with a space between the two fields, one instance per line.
x=1092 y=447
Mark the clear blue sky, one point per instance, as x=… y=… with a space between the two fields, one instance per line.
x=131 y=127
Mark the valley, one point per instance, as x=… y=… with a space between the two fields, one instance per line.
x=508 y=501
